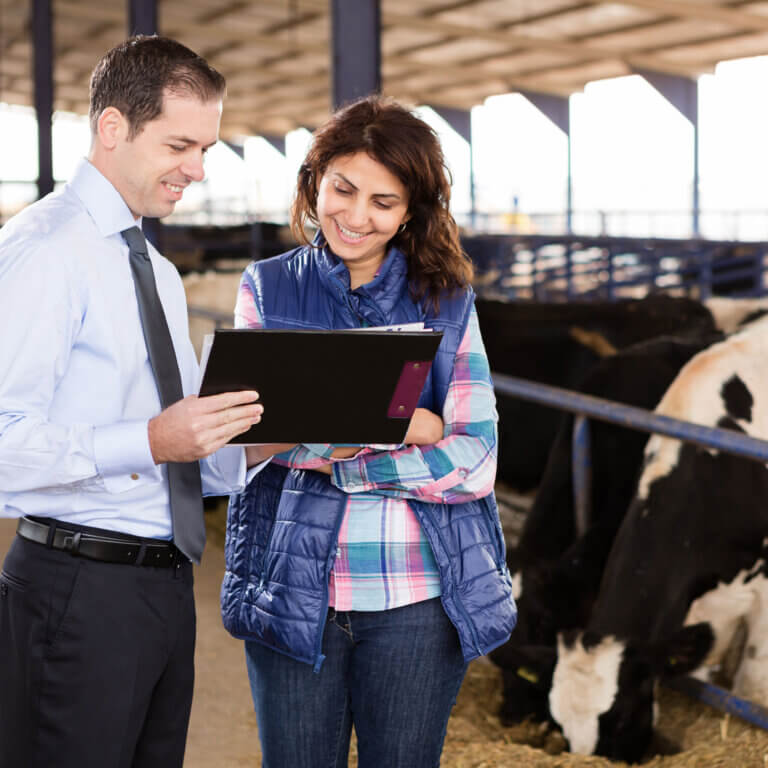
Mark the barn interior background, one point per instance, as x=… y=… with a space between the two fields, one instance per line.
x=600 y=151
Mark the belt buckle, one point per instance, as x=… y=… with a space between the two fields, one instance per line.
x=72 y=543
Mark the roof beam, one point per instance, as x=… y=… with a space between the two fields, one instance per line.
x=578 y=49
x=276 y=141
x=242 y=34
x=242 y=30
x=695 y=9
x=459 y=119
x=556 y=108
x=680 y=92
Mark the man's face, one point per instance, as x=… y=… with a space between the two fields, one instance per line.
x=152 y=170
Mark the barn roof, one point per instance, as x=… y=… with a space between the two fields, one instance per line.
x=453 y=53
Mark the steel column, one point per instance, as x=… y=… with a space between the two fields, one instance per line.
x=461 y=122
x=356 y=50
x=683 y=94
x=557 y=109
x=142 y=17
x=42 y=36
x=142 y=20
x=238 y=149
x=278 y=142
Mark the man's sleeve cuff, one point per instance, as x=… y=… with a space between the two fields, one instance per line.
x=123 y=456
x=224 y=472
x=255 y=469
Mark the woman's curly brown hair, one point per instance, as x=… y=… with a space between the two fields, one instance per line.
x=393 y=136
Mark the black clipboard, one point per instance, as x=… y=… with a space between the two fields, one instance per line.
x=354 y=386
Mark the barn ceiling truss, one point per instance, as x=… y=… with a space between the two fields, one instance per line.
x=448 y=53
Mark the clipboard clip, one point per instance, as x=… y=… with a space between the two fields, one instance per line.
x=408 y=389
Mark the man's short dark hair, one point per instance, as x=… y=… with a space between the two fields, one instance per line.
x=134 y=76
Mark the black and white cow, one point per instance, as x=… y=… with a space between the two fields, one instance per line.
x=557 y=343
x=688 y=564
x=558 y=572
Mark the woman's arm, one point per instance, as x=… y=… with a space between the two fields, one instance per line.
x=425 y=428
x=458 y=467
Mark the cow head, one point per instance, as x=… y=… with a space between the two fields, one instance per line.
x=602 y=693
x=527 y=677
x=551 y=596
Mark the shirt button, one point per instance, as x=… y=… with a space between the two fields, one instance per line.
x=134 y=476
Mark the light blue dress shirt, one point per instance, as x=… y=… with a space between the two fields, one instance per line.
x=76 y=387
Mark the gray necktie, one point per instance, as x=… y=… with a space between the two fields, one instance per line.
x=183 y=479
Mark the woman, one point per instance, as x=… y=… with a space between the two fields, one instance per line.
x=364 y=579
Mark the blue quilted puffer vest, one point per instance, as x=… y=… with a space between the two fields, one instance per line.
x=283 y=528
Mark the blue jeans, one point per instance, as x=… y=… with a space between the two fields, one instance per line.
x=393 y=674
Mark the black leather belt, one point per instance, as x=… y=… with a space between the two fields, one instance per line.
x=103 y=546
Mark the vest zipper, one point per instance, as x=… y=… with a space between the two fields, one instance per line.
x=495 y=534
x=319 y=656
x=457 y=599
x=259 y=588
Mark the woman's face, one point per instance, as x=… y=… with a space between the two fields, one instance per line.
x=360 y=207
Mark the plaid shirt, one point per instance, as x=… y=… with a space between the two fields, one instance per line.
x=383 y=559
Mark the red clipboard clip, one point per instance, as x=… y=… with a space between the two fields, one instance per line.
x=408 y=389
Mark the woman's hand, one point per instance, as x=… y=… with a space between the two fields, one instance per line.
x=255 y=454
x=426 y=428
x=345 y=452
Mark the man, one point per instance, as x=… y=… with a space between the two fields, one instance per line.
x=99 y=448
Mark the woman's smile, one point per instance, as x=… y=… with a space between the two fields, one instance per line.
x=360 y=207
x=349 y=235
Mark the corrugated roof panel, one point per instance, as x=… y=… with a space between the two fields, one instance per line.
x=456 y=50
x=488 y=12
x=664 y=35
x=581 y=22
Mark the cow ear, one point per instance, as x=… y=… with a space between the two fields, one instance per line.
x=533 y=664
x=687 y=649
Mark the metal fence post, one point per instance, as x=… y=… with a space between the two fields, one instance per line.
x=581 y=466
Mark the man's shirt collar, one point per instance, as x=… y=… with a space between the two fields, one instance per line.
x=103 y=202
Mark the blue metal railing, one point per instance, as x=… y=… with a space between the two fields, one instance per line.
x=632 y=417
x=721 y=699
x=219 y=319
x=553 y=268
x=646 y=421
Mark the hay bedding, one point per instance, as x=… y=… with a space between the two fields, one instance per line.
x=476 y=738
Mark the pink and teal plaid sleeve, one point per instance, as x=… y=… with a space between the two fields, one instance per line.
x=309 y=456
x=247 y=313
x=458 y=468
